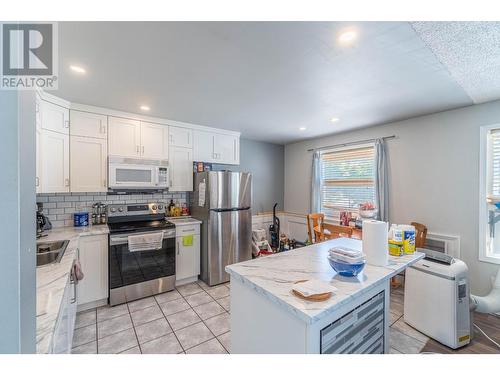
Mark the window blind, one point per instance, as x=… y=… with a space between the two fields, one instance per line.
x=347 y=179
x=494 y=180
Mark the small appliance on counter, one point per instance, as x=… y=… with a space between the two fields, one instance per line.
x=42 y=222
x=437 y=298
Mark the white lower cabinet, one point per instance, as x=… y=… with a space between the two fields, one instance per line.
x=181 y=169
x=63 y=333
x=187 y=256
x=94 y=261
x=88 y=165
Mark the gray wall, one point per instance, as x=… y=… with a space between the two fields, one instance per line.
x=266 y=163
x=434 y=176
x=17 y=223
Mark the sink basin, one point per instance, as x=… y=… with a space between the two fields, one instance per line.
x=50 y=252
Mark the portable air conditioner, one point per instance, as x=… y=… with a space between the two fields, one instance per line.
x=437 y=299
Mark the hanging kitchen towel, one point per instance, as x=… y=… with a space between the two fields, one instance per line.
x=77 y=270
x=187 y=240
x=143 y=242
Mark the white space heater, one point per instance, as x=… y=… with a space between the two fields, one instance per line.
x=437 y=298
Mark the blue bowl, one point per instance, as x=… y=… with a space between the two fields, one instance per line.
x=347 y=269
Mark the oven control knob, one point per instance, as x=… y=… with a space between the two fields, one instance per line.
x=113 y=209
x=120 y=209
x=154 y=207
x=160 y=207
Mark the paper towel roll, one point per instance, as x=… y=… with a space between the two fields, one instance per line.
x=375 y=245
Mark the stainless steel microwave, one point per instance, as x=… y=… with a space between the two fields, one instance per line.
x=137 y=174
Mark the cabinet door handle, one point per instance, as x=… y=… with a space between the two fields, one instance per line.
x=66 y=124
x=73 y=281
x=104 y=183
x=104 y=129
x=143 y=150
x=37 y=181
x=178 y=247
x=66 y=182
x=137 y=149
x=171 y=137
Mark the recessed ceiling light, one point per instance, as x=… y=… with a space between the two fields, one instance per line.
x=145 y=108
x=77 y=69
x=334 y=119
x=348 y=36
x=302 y=129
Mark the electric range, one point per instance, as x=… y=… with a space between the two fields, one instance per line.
x=138 y=272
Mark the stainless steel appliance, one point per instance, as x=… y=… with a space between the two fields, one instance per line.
x=222 y=201
x=138 y=266
x=131 y=174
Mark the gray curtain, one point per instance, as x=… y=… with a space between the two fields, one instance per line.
x=316 y=183
x=381 y=180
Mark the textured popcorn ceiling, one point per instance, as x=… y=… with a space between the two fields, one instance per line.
x=470 y=51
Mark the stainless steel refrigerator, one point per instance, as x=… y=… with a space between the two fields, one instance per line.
x=222 y=201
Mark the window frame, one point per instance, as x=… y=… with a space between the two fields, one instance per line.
x=336 y=211
x=484 y=190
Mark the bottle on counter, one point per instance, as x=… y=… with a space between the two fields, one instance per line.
x=170 y=211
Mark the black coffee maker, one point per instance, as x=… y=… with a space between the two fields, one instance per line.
x=42 y=222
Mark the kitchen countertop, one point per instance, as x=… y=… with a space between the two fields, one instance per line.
x=273 y=277
x=51 y=281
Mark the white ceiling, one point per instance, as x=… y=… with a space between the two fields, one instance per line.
x=268 y=79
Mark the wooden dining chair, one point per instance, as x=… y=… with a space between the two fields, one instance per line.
x=420 y=234
x=315 y=226
x=336 y=231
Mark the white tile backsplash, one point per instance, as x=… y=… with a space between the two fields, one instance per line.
x=59 y=207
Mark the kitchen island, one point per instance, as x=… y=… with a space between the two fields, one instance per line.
x=266 y=317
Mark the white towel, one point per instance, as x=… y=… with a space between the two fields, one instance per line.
x=143 y=242
x=313 y=287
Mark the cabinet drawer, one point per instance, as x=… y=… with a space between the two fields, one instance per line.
x=185 y=230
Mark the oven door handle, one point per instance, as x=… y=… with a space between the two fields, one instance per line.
x=123 y=239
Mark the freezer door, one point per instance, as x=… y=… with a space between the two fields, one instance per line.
x=230 y=189
x=229 y=241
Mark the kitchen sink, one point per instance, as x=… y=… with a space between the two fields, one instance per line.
x=50 y=252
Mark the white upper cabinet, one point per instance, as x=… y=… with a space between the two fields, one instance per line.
x=54 y=117
x=86 y=124
x=154 y=141
x=124 y=137
x=226 y=149
x=203 y=144
x=54 y=153
x=180 y=137
x=216 y=148
x=137 y=139
x=88 y=164
x=181 y=169
x=38 y=141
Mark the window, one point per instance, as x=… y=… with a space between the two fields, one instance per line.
x=489 y=190
x=347 y=179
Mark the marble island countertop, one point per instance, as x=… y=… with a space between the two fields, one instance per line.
x=273 y=277
x=51 y=281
